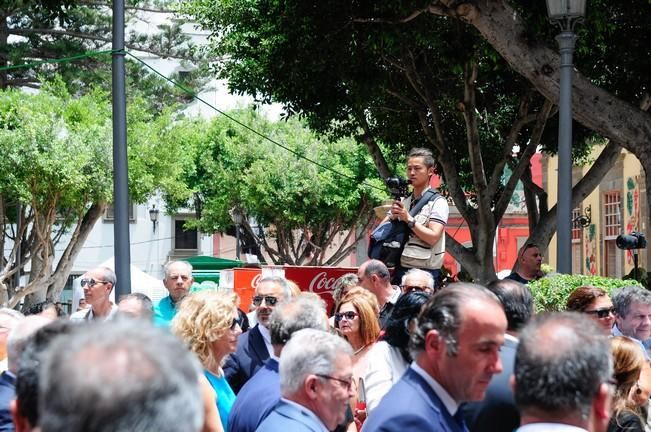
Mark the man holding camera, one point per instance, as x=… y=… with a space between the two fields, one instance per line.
x=425 y=248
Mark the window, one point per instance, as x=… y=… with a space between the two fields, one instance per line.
x=612 y=228
x=109 y=213
x=184 y=238
x=576 y=227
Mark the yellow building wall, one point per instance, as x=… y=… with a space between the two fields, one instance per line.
x=631 y=210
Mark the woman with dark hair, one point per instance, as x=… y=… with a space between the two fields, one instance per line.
x=595 y=302
x=628 y=363
x=389 y=358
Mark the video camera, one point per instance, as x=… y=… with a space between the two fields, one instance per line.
x=634 y=240
x=398 y=187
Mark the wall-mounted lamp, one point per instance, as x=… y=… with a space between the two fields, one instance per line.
x=583 y=220
x=153 y=215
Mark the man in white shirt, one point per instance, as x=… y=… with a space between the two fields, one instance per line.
x=455 y=347
x=97 y=284
x=563 y=374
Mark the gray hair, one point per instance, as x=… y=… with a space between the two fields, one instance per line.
x=347 y=280
x=146 y=305
x=624 y=297
x=309 y=352
x=297 y=314
x=561 y=361
x=377 y=267
x=136 y=378
x=279 y=280
x=443 y=314
x=419 y=273
x=426 y=154
x=169 y=265
x=18 y=337
x=108 y=275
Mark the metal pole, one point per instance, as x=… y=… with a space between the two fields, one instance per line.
x=566 y=41
x=237 y=241
x=120 y=170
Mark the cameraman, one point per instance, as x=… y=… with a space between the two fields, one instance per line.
x=425 y=248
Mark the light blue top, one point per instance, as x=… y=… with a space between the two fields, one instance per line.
x=225 y=396
x=164 y=311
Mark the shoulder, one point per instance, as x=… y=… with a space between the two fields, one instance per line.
x=79 y=315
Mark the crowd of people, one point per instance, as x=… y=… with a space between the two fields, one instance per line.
x=384 y=357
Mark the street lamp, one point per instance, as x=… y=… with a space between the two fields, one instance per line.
x=565 y=13
x=237 y=218
x=153 y=215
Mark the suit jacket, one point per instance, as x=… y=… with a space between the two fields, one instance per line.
x=497 y=412
x=7 y=394
x=287 y=417
x=250 y=355
x=412 y=405
x=256 y=399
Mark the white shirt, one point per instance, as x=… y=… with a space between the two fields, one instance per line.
x=384 y=368
x=88 y=315
x=266 y=337
x=546 y=427
x=450 y=404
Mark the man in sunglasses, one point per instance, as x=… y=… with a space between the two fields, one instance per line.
x=417 y=280
x=254 y=346
x=97 y=285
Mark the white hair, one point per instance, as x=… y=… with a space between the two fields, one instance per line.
x=419 y=273
x=309 y=352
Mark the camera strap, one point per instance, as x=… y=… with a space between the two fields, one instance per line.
x=429 y=195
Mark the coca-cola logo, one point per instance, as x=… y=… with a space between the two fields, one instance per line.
x=256 y=280
x=321 y=283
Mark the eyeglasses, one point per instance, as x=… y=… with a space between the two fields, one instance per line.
x=410 y=288
x=602 y=313
x=236 y=322
x=269 y=300
x=91 y=282
x=350 y=315
x=348 y=384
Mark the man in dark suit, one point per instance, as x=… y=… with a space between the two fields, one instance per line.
x=262 y=392
x=316 y=384
x=455 y=347
x=254 y=346
x=497 y=412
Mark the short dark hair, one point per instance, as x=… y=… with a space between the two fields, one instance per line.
x=28 y=375
x=516 y=299
x=443 y=313
x=396 y=329
x=582 y=297
x=562 y=359
x=136 y=378
x=426 y=154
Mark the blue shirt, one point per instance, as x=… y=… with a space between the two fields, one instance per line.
x=225 y=396
x=164 y=312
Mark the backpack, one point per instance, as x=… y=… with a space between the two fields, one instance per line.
x=389 y=239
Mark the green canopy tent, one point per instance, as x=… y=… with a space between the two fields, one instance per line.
x=206 y=268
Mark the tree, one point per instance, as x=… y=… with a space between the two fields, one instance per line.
x=432 y=83
x=308 y=215
x=57 y=179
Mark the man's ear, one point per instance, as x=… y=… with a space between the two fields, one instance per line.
x=21 y=424
x=602 y=404
x=512 y=383
x=435 y=345
x=310 y=386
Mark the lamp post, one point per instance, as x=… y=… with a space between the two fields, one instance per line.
x=565 y=13
x=153 y=216
x=237 y=218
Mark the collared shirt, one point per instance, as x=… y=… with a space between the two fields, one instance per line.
x=307 y=412
x=89 y=315
x=617 y=332
x=545 y=427
x=511 y=338
x=450 y=404
x=164 y=311
x=266 y=337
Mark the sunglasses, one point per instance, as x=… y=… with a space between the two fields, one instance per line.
x=410 y=288
x=236 y=322
x=350 y=315
x=269 y=300
x=91 y=282
x=602 y=313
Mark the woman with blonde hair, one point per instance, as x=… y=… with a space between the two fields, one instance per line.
x=209 y=324
x=357 y=321
x=628 y=362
